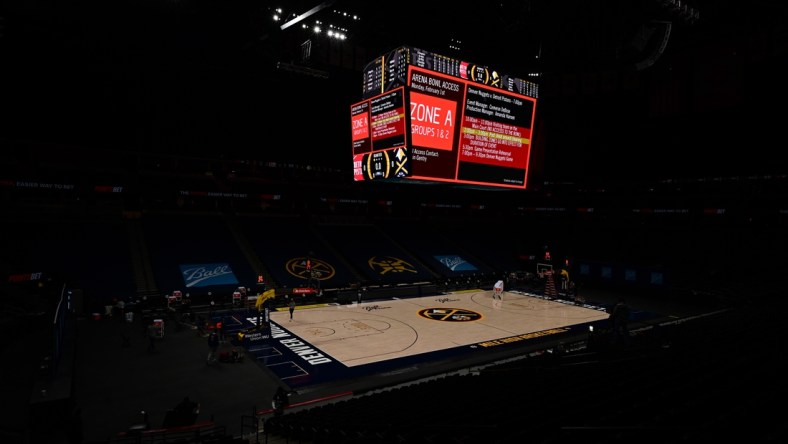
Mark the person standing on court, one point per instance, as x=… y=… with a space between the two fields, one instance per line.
x=292 y=308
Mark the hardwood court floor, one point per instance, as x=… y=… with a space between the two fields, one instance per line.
x=405 y=332
x=371 y=332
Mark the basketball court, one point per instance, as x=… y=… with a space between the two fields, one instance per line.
x=332 y=342
x=328 y=351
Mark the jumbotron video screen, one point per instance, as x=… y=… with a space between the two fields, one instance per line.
x=426 y=117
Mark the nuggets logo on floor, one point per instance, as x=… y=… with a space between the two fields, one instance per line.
x=450 y=314
x=310 y=268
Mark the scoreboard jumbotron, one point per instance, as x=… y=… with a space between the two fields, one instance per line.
x=427 y=117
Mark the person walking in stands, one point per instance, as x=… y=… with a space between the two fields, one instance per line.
x=220 y=328
x=213 y=345
x=619 y=320
x=153 y=333
x=279 y=401
x=292 y=308
x=75 y=429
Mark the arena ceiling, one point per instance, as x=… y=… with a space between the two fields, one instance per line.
x=634 y=81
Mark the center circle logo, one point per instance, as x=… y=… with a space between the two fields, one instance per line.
x=450 y=314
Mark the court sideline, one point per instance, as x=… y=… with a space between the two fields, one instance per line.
x=114 y=380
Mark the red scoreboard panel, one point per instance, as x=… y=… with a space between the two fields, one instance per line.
x=457 y=124
x=378 y=135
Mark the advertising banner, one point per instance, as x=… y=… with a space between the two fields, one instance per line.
x=204 y=275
